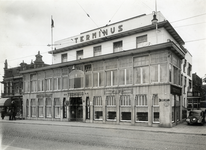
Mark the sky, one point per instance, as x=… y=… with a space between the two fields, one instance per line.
x=25 y=26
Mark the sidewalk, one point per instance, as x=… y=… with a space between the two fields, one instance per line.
x=182 y=128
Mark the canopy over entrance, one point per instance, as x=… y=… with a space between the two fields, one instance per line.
x=5 y=102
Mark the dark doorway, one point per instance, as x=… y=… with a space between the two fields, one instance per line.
x=87 y=108
x=76 y=109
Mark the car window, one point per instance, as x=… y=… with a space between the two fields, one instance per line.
x=194 y=113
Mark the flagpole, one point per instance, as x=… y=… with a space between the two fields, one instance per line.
x=52 y=25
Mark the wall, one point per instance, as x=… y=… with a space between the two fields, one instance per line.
x=129 y=43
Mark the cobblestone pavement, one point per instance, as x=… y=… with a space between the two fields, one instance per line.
x=182 y=128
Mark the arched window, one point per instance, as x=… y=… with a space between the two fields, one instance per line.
x=48 y=107
x=41 y=107
x=57 y=107
x=76 y=79
x=33 y=108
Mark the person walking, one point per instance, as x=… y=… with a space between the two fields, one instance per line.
x=10 y=114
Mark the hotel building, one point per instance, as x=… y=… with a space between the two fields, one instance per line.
x=128 y=72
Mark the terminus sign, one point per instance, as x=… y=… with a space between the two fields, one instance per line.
x=98 y=34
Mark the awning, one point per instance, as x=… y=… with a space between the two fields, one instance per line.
x=5 y=102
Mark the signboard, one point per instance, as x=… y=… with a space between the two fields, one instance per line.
x=77 y=94
x=175 y=90
x=39 y=96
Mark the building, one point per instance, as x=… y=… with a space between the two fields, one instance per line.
x=13 y=83
x=203 y=99
x=128 y=72
x=186 y=78
x=194 y=96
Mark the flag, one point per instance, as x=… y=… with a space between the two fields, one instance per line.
x=52 y=23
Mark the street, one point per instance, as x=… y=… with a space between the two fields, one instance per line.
x=17 y=136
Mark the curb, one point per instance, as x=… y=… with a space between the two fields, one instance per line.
x=129 y=128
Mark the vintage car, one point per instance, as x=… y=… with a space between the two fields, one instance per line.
x=196 y=117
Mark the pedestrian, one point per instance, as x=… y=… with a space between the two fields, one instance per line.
x=10 y=114
x=14 y=115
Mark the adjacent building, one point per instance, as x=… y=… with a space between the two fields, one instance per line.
x=186 y=79
x=127 y=72
x=13 y=84
x=195 y=95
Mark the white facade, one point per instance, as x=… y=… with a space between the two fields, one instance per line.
x=186 y=72
x=124 y=73
x=158 y=36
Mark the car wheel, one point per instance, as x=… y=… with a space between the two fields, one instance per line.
x=188 y=123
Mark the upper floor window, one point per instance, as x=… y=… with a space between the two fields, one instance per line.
x=185 y=64
x=79 y=54
x=33 y=83
x=48 y=83
x=98 y=79
x=117 y=46
x=76 y=79
x=158 y=73
x=65 y=82
x=141 y=40
x=97 y=50
x=141 y=70
x=40 y=85
x=111 y=78
x=125 y=76
x=189 y=69
x=57 y=83
x=64 y=57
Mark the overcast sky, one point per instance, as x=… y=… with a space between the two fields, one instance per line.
x=25 y=26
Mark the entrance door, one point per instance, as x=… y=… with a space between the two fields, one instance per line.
x=76 y=109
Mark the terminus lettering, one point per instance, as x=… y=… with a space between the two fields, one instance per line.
x=101 y=32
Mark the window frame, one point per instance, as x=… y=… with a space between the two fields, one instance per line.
x=155 y=106
x=118 y=46
x=112 y=78
x=79 y=53
x=138 y=44
x=64 y=57
x=97 y=50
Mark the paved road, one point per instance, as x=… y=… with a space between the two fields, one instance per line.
x=16 y=136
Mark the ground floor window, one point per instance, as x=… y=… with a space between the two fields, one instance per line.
x=41 y=111
x=48 y=108
x=98 y=115
x=57 y=112
x=156 y=111
x=48 y=111
x=156 y=114
x=111 y=115
x=57 y=107
x=141 y=114
x=125 y=115
x=33 y=108
x=41 y=108
x=33 y=111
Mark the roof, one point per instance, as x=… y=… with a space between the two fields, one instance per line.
x=165 y=24
x=170 y=45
